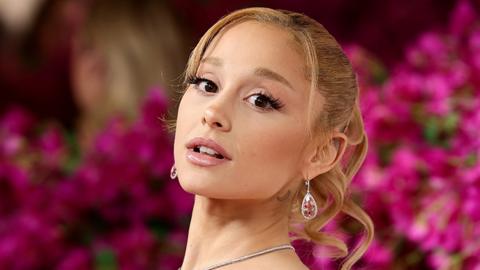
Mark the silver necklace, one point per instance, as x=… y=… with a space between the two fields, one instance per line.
x=249 y=256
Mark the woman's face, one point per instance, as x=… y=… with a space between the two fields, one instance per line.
x=88 y=75
x=249 y=95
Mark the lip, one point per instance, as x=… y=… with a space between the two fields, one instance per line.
x=203 y=160
x=208 y=143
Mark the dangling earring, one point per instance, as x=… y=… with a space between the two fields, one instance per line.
x=309 y=206
x=173 y=172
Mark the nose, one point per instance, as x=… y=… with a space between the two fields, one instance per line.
x=216 y=118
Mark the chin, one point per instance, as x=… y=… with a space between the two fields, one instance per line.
x=203 y=189
x=194 y=185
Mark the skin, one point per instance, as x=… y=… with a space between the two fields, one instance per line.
x=88 y=75
x=89 y=82
x=237 y=208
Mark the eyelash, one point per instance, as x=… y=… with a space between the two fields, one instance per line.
x=275 y=103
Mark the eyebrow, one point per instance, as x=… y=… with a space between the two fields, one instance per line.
x=272 y=75
x=261 y=72
x=212 y=60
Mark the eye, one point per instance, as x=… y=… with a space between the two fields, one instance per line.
x=202 y=84
x=265 y=101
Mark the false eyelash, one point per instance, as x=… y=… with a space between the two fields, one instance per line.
x=274 y=102
x=193 y=79
x=196 y=81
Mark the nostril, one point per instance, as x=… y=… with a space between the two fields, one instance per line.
x=214 y=121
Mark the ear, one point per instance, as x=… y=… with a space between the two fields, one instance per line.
x=323 y=156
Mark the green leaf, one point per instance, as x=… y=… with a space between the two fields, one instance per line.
x=74 y=157
x=471 y=160
x=105 y=260
x=430 y=131
x=450 y=123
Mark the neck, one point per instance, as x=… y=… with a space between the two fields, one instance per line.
x=222 y=229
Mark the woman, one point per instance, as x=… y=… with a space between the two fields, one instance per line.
x=123 y=49
x=269 y=109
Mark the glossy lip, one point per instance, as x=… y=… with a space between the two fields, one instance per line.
x=208 y=143
x=203 y=160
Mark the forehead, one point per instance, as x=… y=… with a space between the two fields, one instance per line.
x=258 y=43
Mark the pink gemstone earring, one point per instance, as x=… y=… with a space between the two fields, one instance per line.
x=173 y=172
x=309 y=206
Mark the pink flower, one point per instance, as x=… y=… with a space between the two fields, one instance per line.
x=76 y=259
x=16 y=121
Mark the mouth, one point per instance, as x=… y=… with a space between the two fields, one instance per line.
x=208 y=147
x=207 y=151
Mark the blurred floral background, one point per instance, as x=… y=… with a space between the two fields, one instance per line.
x=85 y=161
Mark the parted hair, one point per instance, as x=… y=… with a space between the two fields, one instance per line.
x=331 y=74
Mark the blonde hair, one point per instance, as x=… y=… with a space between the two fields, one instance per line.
x=332 y=75
x=143 y=46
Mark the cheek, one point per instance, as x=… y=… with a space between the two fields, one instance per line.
x=269 y=158
x=277 y=146
x=187 y=118
x=183 y=120
x=88 y=81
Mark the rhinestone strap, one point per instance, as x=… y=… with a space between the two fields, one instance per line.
x=249 y=256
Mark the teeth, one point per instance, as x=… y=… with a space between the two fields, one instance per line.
x=206 y=150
